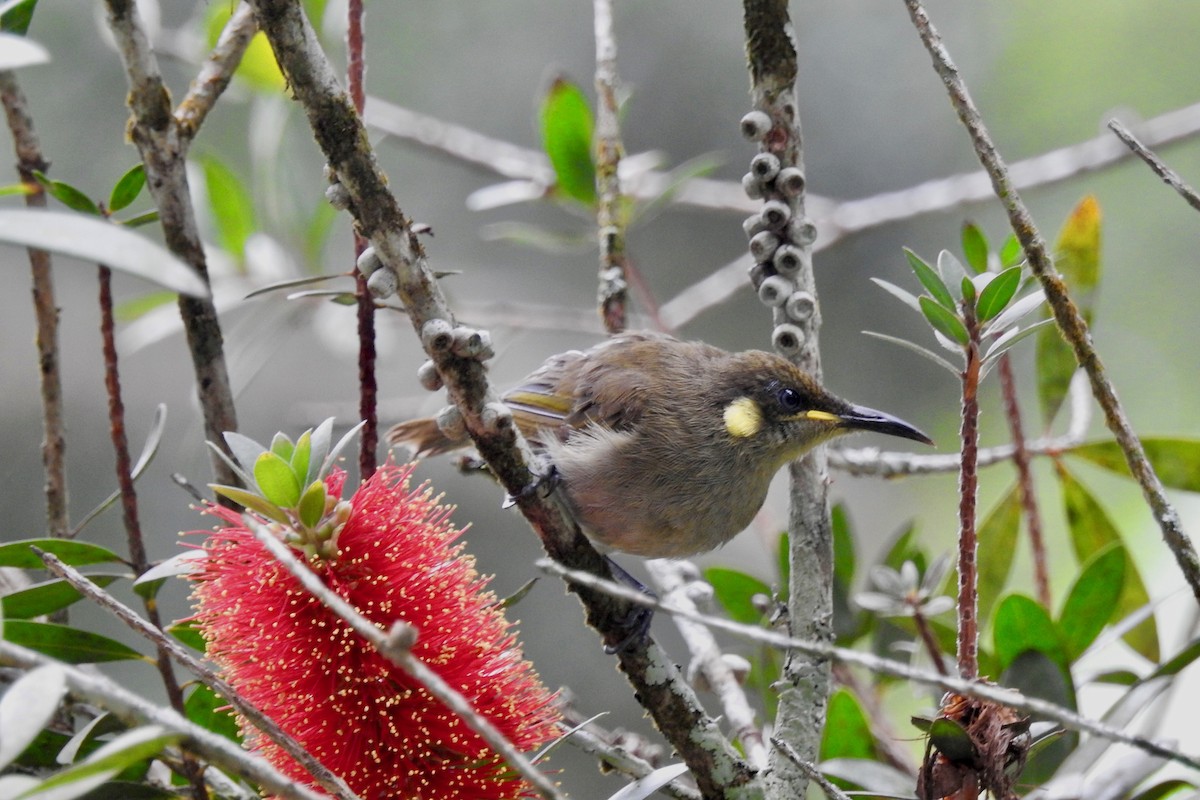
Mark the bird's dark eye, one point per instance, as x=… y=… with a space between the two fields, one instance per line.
x=789 y=399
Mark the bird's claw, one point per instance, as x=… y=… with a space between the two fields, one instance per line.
x=545 y=483
x=637 y=622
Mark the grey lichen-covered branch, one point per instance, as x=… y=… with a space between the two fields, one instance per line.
x=1070 y=321
x=456 y=354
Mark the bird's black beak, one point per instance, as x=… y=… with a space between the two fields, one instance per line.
x=860 y=418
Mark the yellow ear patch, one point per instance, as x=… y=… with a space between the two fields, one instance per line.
x=743 y=418
x=822 y=416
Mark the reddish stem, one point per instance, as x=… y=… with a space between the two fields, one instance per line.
x=930 y=641
x=968 y=590
x=368 y=386
x=1033 y=520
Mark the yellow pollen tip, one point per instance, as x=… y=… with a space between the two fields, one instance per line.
x=743 y=418
x=823 y=416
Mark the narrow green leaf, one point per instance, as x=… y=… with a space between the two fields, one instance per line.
x=945 y=322
x=126 y=750
x=918 y=349
x=312 y=504
x=90 y=738
x=783 y=562
x=47 y=597
x=68 y=195
x=1176 y=460
x=566 y=122
x=843 y=546
x=1163 y=790
x=244 y=449
x=282 y=446
x=847 y=731
x=997 y=294
x=257 y=67
x=301 y=456
x=28 y=705
x=1077 y=258
x=974 y=247
x=1011 y=253
x=276 y=480
x=72 y=645
x=519 y=595
x=254 y=502
x=140 y=220
x=93 y=240
x=321 y=437
x=735 y=592
x=1021 y=624
x=231 y=205
x=22 y=189
x=968 y=292
x=998 y=538
x=188 y=634
x=210 y=711
x=930 y=280
x=1092 y=530
x=76 y=554
x=908 y=298
x=16 y=15
x=127 y=188
x=1092 y=600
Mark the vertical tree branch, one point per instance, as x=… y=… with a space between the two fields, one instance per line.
x=163 y=147
x=368 y=385
x=1033 y=520
x=805 y=684
x=609 y=151
x=54 y=444
x=968 y=487
x=1070 y=322
x=129 y=509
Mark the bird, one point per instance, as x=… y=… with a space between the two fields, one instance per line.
x=665 y=448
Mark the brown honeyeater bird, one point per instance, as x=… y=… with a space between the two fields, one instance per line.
x=665 y=448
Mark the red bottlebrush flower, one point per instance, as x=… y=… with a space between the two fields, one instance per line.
x=360 y=715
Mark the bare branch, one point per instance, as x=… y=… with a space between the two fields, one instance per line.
x=1169 y=176
x=216 y=71
x=609 y=150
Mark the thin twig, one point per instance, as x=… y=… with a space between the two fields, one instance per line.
x=882 y=666
x=1071 y=323
x=338 y=130
x=1020 y=458
x=625 y=762
x=102 y=692
x=54 y=444
x=1169 y=176
x=330 y=782
x=395 y=646
x=216 y=71
x=676 y=580
x=610 y=224
x=809 y=769
x=129 y=507
x=163 y=148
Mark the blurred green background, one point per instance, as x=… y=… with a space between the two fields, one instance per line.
x=875 y=119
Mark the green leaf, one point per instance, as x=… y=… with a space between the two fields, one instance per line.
x=16 y=15
x=1011 y=253
x=1160 y=791
x=997 y=294
x=210 y=711
x=847 y=731
x=301 y=456
x=945 y=322
x=93 y=240
x=952 y=738
x=47 y=597
x=27 y=707
x=257 y=67
x=122 y=752
x=127 y=188
x=1176 y=460
x=968 y=292
x=254 y=502
x=282 y=446
x=1021 y=624
x=1036 y=674
x=930 y=280
x=904 y=296
x=1092 y=530
x=916 y=348
x=312 y=504
x=141 y=219
x=998 y=538
x=72 y=645
x=68 y=195
x=843 y=546
x=735 y=592
x=974 y=247
x=138 y=307
x=848 y=623
x=1077 y=258
x=76 y=554
x=276 y=480
x=566 y=122
x=1092 y=600
x=188 y=634
x=232 y=208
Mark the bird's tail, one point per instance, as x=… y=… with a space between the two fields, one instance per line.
x=423 y=437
